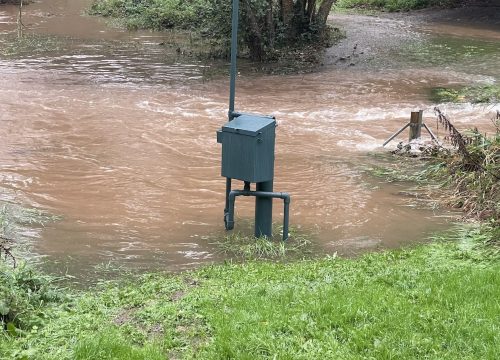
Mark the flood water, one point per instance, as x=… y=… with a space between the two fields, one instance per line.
x=116 y=134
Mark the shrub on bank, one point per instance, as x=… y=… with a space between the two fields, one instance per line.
x=27 y=297
x=153 y=14
x=472 y=172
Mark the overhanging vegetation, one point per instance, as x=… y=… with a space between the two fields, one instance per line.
x=267 y=29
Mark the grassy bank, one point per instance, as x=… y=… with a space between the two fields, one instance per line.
x=433 y=301
x=393 y=5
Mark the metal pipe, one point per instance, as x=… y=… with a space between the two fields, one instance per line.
x=286 y=216
x=264 y=210
x=234 y=53
x=261 y=194
x=396 y=134
x=226 y=208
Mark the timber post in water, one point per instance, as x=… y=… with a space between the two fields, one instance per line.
x=415 y=125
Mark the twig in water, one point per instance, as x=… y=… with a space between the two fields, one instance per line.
x=20 y=25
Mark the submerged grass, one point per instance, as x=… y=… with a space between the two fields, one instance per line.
x=240 y=246
x=434 y=301
x=29 y=44
x=472 y=94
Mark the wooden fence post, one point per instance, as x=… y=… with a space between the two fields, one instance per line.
x=416 y=125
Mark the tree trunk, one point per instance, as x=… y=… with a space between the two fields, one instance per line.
x=287 y=15
x=323 y=12
x=286 y=11
x=311 y=9
x=254 y=39
x=270 y=24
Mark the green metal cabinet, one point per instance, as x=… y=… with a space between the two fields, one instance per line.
x=248 y=148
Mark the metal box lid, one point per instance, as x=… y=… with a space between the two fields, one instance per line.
x=251 y=125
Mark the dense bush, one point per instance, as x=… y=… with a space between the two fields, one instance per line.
x=152 y=14
x=266 y=26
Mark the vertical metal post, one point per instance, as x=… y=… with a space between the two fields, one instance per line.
x=264 y=211
x=286 y=217
x=226 y=208
x=232 y=87
x=234 y=53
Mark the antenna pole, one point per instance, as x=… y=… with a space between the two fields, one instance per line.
x=234 y=53
x=232 y=89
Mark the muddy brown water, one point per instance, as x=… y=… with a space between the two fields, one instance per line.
x=116 y=135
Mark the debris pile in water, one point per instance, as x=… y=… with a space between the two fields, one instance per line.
x=419 y=148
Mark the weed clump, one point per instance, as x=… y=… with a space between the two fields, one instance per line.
x=27 y=298
x=245 y=247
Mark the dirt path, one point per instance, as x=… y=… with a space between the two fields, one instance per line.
x=379 y=34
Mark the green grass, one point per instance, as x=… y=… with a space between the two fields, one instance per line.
x=110 y=344
x=489 y=94
x=392 y=5
x=435 y=301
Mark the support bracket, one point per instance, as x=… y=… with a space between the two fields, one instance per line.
x=263 y=194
